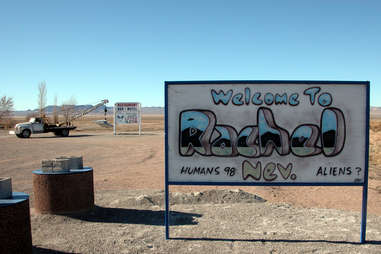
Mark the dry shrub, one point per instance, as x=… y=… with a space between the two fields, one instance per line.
x=375 y=125
x=149 y=123
x=375 y=147
x=7 y=123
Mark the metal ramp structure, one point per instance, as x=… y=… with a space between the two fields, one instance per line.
x=104 y=123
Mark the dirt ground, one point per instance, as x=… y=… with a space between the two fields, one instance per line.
x=130 y=221
x=128 y=166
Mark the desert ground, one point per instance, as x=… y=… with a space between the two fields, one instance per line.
x=129 y=184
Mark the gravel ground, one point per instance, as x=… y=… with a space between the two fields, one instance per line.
x=129 y=214
x=215 y=221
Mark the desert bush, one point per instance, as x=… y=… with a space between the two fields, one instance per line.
x=7 y=123
x=375 y=125
x=6 y=108
x=375 y=148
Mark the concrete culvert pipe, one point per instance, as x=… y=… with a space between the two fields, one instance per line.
x=15 y=228
x=63 y=192
x=5 y=188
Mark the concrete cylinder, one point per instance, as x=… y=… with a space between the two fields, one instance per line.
x=5 y=188
x=15 y=229
x=63 y=192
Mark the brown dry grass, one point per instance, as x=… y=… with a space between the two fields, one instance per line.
x=87 y=123
x=8 y=123
x=149 y=123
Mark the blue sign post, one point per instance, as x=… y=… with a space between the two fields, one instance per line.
x=267 y=133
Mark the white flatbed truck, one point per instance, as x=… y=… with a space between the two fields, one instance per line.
x=41 y=125
x=38 y=125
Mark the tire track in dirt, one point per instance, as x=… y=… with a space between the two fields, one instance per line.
x=151 y=155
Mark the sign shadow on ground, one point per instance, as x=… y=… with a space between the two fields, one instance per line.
x=48 y=251
x=71 y=136
x=135 y=216
x=272 y=240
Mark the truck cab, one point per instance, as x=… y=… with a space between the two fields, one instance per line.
x=35 y=125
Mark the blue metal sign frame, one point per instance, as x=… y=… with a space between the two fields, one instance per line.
x=263 y=82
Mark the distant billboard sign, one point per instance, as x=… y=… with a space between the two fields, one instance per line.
x=127 y=113
x=253 y=132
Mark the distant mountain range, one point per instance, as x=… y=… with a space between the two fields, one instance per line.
x=145 y=110
x=50 y=109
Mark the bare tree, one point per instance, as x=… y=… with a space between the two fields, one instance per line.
x=42 y=97
x=67 y=109
x=6 y=108
x=55 y=113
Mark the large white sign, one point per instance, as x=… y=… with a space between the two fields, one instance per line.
x=253 y=132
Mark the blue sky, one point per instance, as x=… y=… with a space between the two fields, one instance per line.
x=125 y=50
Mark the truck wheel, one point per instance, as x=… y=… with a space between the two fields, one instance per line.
x=65 y=133
x=19 y=135
x=26 y=133
x=57 y=133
